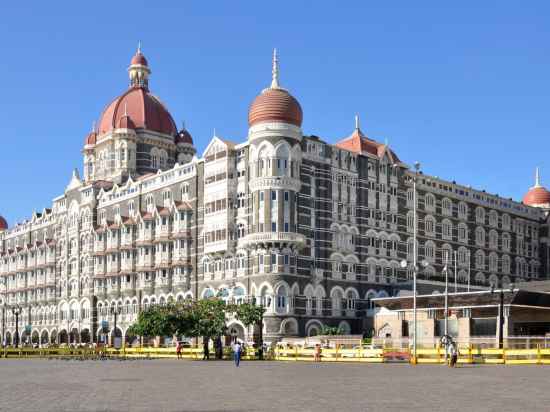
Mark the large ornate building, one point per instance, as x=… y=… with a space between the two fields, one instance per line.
x=311 y=230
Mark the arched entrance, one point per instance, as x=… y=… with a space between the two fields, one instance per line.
x=35 y=338
x=63 y=337
x=44 y=337
x=116 y=333
x=74 y=336
x=53 y=337
x=85 y=336
x=234 y=331
x=8 y=338
x=25 y=338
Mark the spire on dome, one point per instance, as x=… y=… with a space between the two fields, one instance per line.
x=139 y=47
x=356 y=122
x=275 y=71
x=537 y=178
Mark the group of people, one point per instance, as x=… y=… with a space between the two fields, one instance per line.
x=237 y=347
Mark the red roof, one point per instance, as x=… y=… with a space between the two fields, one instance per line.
x=359 y=143
x=275 y=105
x=537 y=195
x=3 y=224
x=91 y=139
x=141 y=109
x=139 y=59
x=184 y=137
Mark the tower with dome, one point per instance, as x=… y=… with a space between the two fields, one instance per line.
x=311 y=228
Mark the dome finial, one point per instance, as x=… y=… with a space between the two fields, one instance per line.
x=537 y=177
x=356 y=122
x=183 y=125
x=275 y=71
x=139 y=47
x=93 y=126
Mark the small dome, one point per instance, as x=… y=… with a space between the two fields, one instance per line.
x=91 y=139
x=275 y=105
x=139 y=59
x=537 y=196
x=184 y=137
x=3 y=224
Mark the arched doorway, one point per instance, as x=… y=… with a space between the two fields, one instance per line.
x=74 y=336
x=85 y=336
x=35 y=338
x=234 y=331
x=53 y=337
x=63 y=338
x=44 y=337
x=116 y=333
x=25 y=338
x=8 y=338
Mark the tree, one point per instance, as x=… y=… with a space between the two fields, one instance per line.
x=207 y=318
x=250 y=314
x=155 y=321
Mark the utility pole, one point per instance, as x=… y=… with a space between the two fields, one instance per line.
x=456 y=283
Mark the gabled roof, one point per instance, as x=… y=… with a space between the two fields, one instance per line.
x=359 y=143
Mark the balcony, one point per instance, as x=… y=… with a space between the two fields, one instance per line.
x=162 y=233
x=99 y=247
x=127 y=241
x=253 y=240
x=145 y=237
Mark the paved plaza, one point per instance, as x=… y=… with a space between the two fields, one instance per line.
x=170 y=385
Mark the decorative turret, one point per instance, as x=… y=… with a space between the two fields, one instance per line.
x=275 y=109
x=537 y=196
x=139 y=70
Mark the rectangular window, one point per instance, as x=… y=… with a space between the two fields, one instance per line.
x=286 y=259
x=273 y=195
x=286 y=227
x=286 y=196
x=273 y=226
x=261 y=197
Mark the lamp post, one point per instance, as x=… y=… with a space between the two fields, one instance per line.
x=415 y=257
x=16 y=311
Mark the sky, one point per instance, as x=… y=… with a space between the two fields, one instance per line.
x=462 y=88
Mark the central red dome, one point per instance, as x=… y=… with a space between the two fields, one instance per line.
x=140 y=109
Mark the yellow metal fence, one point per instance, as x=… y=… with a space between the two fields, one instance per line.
x=538 y=356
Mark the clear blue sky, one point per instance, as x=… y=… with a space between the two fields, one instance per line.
x=463 y=87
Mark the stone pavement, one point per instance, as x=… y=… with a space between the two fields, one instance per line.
x=170 y=385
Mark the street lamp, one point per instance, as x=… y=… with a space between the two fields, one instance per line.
x=415 y=256
x=16 y=311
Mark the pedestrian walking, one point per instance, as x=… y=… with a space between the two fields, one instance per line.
x=317 y=353
x=205 y=350
x=178 y=350
x=454 y=355
x=237 y=350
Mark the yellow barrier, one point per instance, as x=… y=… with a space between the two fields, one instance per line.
x=538 y=356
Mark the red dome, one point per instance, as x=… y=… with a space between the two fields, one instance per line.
x=141 y=109
x=184 y=137
x=91 y=139
x=3 y=224
x=275 y=105
x=537 y=195
x=139 y=59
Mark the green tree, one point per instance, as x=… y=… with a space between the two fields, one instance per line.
x=252 y=315
x=155 y=321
